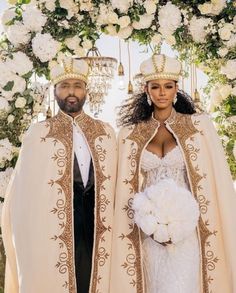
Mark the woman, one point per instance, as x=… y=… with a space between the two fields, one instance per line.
x=163 y=138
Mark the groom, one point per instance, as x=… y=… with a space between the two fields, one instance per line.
x=57 y=216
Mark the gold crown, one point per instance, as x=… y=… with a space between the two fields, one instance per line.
x=161 y=67
x=70 y=68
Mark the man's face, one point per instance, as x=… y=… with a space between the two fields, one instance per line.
x=70 y=95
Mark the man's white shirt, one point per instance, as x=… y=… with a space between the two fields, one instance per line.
x=82 y=153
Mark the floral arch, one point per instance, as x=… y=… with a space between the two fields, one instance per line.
x=38 y=32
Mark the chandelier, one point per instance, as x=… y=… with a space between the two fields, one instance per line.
x=101 y=74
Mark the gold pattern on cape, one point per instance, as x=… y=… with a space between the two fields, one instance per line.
x=190 y=155
x=57 y=126
x=92 y=130
x=137 y=136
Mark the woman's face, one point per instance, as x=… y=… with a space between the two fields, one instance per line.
x=162 y=92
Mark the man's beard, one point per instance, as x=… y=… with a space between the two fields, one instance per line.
x=68 y=107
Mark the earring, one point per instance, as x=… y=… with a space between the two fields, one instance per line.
x=149 y=101
x=175 y=99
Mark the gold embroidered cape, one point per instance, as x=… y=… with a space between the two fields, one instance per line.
x=211 y=185
x=37 y=221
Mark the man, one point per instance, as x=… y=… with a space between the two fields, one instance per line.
x=57 y=217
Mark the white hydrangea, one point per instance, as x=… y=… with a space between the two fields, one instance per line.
x=4 y=105
x=6 y=151
x=73 y=43
x=197 y=28
x=150 y=6
x=125 y=32
x=20 y=102
x=7 y=16
x=167 y=211
x=213 y=8
x=45 y=47
x=33 y=19
x=229 y=69
x=145 y=21
x=122 y=5
x=5 y=74
x=5 y=177
x=18 y=34
x=71 y=7
x=20 y=63
x=19 y=84
x=226 y=31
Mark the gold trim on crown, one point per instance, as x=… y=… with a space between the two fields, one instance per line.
x=65 y=76
x=163 y=75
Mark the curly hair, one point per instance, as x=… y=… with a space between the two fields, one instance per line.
x=136 y=109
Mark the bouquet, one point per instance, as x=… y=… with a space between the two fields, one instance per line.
x=166 y=211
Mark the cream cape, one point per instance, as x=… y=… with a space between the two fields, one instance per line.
x=211 y=184
x=37 y=221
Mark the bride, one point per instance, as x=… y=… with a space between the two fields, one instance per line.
x=162 y=138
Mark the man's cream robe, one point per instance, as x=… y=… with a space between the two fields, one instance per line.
x=37 y=221
x=211 y=185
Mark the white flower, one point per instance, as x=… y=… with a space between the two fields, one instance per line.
x=18 y=34
x=10 y=118
x=229 y=69
x=111 y=30
x=168 y=24
x=33 y=19
x=71 y=7
x=170 y=40
x=73 y=43
x=80 y=51
x=223 y=52
x=4 y=180
x=226 y=31
x=233 y=91
x=126 y=32
x=124 y=21
x=4 y=105
x=20 y=102
x=167 y=211
x=197 y=28
x=87 y=44
x=112 y=17
x=19 y=84
x=150 y=6
x=64 y=23
x=7 y=16
x=205 y=8
x=156 y=39
x=20 y=63
x=225 y=91
x=86 y=5
x=231 y=43
x=45 y=47
x=234 y=150
x=145 y=21
x=219 y=93
x=213 y=8
x=6 y=150
x=122 y=5
x=234 y=21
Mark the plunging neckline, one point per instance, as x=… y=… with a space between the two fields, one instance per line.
x=166 y=154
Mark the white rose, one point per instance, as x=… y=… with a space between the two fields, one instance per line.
x=122 y=5
x=231 y=43
x=112 y=18
x=18 y=34
x=45 y=52
x=111 y=30
x=225 y=91
x=223 y=52
x=80 y=51
x=87 y=44
x=4 y=105
x=5 y=74
x=7 y=16
x=229 y=69
x=156 y=39
x=6 y=150
x=197 y=28
x=33 y=19
x=71 y=7
x=226 y=31
x=170 y=40
x=145 y=21
x=233 y=91
x=86 y=5
x=205 y=8
x=20 y=63
x=19 y=85
x=168 y=25
x=50 y=5
x=20 y=102
x=124 y=21
x=126 y=32
x=10 y=118
x=150 y=6
x=218 y=6
x=73 y=43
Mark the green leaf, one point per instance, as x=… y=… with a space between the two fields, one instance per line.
x=8 y=87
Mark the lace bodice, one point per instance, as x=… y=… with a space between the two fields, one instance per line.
x=172 y=165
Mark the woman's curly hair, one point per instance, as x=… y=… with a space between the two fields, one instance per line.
x=137 y=109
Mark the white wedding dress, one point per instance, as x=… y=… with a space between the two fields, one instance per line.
x=174 y=268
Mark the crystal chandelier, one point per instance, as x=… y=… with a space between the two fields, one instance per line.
x=139 y=83
x=101 y=74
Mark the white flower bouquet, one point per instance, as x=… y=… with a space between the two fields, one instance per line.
x=166 y=211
